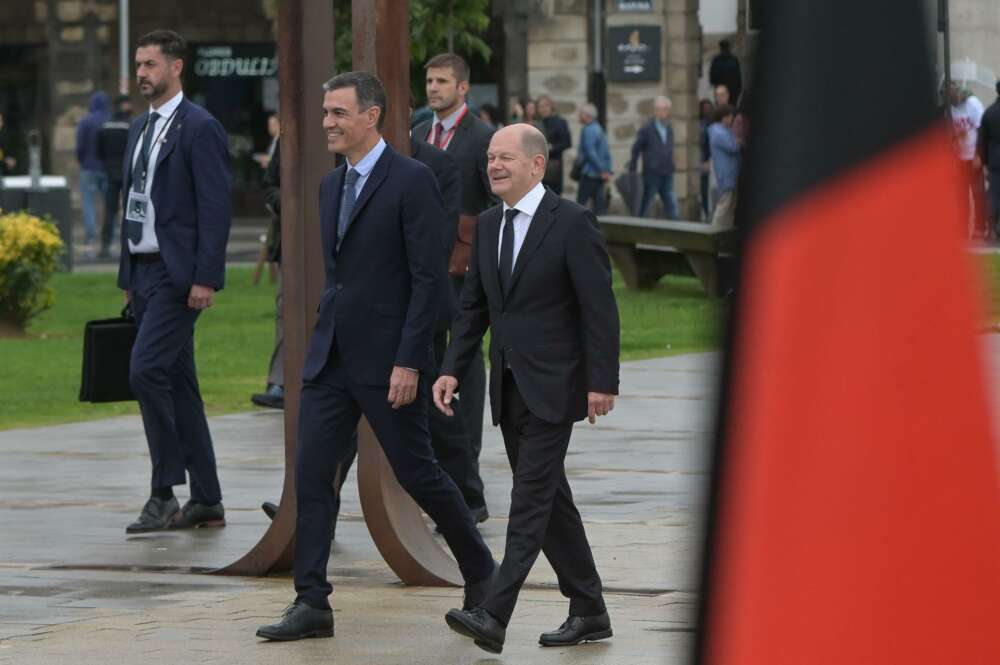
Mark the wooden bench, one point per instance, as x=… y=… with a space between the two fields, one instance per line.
x=645 y=250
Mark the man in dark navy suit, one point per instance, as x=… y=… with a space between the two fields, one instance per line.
x=370 y=352
x=175 y=229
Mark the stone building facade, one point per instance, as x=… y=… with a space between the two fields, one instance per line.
x=561 y=62
x=70 y=50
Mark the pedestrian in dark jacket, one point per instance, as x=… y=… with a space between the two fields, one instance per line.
x=556 y=131
x=989 y=151
x=725 y=70
x=93 y=182
x=112 y=140
x=655 y=145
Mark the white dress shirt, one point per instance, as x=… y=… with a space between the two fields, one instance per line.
x=526 y=208
x=448 y=127
x=149 y=244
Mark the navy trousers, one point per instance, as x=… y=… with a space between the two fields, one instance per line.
x=331 y=406
x=164 y=380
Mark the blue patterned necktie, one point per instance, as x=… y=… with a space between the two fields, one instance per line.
x=347 y=203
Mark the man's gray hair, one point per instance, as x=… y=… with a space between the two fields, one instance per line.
x=662 y=99
x=368 y=88
x=533 y=141
x=589 y=109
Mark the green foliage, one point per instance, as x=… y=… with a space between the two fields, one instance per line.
x=41 y=372
x=436 y=26
x=29 y=252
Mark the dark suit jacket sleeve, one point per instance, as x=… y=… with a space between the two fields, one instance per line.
x=421 y=221
x=638 y=147
x=446 y=172
x=472 y=318
x=590 y=271
x=561 y=139
x=211 y=177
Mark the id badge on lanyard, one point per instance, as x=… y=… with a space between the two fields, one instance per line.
x=137 y=208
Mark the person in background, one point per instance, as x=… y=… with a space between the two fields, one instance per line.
x=515 y=110
x=989 y=154
x=273 y=129
x=531 y=115
x=556 y=131
x=8 y=160
x=723 y=97
x=705 y=110
x=966 y=116
x=595 y=161
x=725 y=151
x=93 y=181
x=489 y=114
x=655 y=145
x=274 y=393
x=112 y=141
x=725 y=70
x=466 y=138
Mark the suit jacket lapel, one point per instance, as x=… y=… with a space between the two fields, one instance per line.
x=170 y=137
x=540 y=225
x=331 y=211
x=491 y=274
x=375 y=179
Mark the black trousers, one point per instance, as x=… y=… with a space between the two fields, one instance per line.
x=472 y=399
x=451 y=441
x=330 y=408
x=543 y=516
x=163 y=378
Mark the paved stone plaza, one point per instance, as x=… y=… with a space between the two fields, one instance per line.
x=75 y=589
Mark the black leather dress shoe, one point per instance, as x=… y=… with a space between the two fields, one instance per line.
x=475 y=593
x=480 y=625
x=299 y=621
x=195 y=515
x=273 y=397
x=155 y=515
x=578 y=629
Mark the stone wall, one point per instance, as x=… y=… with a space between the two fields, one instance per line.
x=560 y=59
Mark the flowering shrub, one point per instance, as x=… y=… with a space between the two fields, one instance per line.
x=29 y=253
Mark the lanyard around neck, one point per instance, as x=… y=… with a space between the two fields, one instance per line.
x=446 y=139
x=144 y=156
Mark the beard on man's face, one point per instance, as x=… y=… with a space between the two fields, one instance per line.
x=152 y=91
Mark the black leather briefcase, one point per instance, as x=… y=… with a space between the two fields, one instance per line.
x=107 y=349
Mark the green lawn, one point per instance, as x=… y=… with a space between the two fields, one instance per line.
x=41 y=373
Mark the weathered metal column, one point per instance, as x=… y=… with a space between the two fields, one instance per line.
x=305 y=57
x=381 y=38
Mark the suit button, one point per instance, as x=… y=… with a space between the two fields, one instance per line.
x=340 y=287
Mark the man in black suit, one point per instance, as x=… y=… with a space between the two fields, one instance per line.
x=173 y=260
x=370 y=351
x=456 y=130
x=540 y=280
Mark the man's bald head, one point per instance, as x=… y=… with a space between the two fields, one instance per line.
x=516 y=161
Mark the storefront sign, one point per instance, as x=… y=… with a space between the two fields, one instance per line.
x=637 y=6
x=238 y=60
x=634 y=53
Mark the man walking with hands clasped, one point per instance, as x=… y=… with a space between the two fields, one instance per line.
x=540 y=280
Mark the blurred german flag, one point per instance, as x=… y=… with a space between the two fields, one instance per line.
x=854 y=514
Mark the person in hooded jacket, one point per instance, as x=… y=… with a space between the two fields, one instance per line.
x=93 y=179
